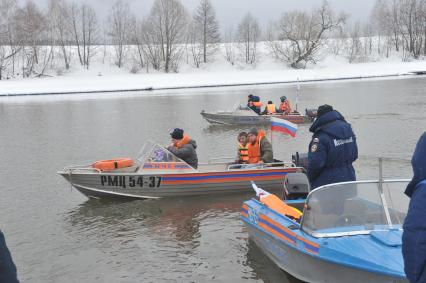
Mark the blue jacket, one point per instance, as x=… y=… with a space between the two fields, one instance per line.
x=7 y=267
x=414 y=236
x=332 y=150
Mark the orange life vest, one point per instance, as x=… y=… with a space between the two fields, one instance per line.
x=112 y=164
x=244 y=153
x=270 y=109
x=285 y=107
x=254 y=149
x=183 y=141
x=257 y=104
x=276 y=204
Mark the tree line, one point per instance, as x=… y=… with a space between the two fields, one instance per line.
x=34 y=40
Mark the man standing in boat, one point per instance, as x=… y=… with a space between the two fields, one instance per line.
x=7 y=266
x=184 y=147
x=332 y=150
x=259 y=148
x=414 y=236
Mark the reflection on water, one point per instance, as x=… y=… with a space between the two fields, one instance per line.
x=264 y=268
x=56 y=235
x=155 y=232
x=172 y=219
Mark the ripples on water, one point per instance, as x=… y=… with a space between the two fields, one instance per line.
x=57 y=235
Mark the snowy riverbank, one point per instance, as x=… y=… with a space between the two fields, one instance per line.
x=110 y=79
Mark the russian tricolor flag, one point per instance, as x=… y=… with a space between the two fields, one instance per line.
x=283 y=126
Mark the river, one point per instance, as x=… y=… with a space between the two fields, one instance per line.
x=56 y=234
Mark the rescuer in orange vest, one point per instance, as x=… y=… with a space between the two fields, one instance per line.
x=270 y=109
x=259 y=148
x=285 y=106
x=243 y=156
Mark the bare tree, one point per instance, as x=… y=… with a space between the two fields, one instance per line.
x=248 y=36
x=301 y=35
x=152 y=44
x=367 y=37
x=206 y=28
x=338 y=41
x=166 y=29
x=412 y=25
x=196 y=48
x=381 y=19
x=85 y=30
x=354 y=49
x=90 y=33
x=76 y=23
x=9 y=47
x=229 y=46
x=30 y=26
x=120 y=26
x=59 y=17
x=137 y=38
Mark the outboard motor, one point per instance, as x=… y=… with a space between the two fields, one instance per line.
x=300 y=160
x=311 y=113
x=296 y=186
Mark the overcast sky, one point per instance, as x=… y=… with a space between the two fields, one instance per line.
x=229 y=12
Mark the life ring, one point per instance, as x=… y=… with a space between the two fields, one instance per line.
x=112 y=164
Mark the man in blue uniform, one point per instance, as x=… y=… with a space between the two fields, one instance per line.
x=7 y=267
x=414 y=236
x=332 y=150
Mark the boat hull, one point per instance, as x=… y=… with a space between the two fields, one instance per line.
x=235 y=119
x=307 y=267
x=146 y=186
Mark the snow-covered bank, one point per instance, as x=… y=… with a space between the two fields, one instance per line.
x=86 y=82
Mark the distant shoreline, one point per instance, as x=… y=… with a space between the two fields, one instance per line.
x=149 y=89
x=90 y=83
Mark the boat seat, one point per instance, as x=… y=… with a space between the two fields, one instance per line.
x=315 y=218
x=356 y=207
x=376 y=217
x=359 y=208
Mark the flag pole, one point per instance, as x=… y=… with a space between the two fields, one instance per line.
x=298 y=91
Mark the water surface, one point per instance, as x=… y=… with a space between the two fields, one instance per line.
x=56 y=235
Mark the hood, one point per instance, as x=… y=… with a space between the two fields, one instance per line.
x=186 y=140
x=334 y=124
x=193 y=143
x=418 y=162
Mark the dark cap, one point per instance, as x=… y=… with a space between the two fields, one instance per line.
x=270 y=102
x=253 y=131
x=250 y=95
x=323 y=109
x=177 y=134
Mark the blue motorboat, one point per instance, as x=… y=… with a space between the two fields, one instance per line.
x=348 y=232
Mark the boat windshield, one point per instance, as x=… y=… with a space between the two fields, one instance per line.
x=355 y=208
x=240 y=107
x=155 y=157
